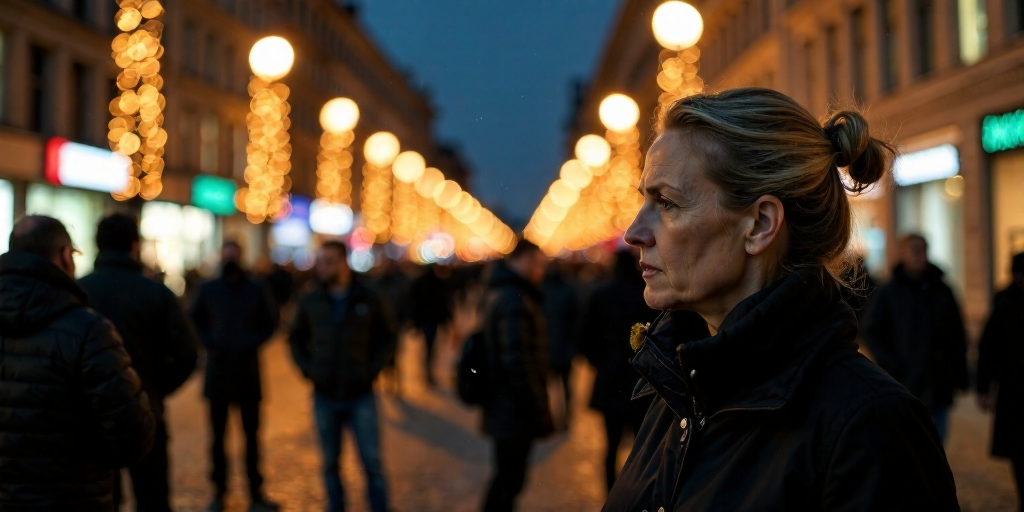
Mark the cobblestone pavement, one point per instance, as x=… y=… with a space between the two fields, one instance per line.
x=436 y=460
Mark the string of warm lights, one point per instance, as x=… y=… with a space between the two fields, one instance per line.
x=268 y=153
x=577 y=213
x=136 y=128
x=380 y=150
x=338 y=118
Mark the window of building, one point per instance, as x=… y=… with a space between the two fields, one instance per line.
x=79 y=104
x=240 y=139
x=973 y=30
x=187 y=132
x=811 y=75
x=191 y=49
x=3 y=76
x=209 y=144
x=832 y=70
x=211 y=60
x=38 y=82
x=859 y=60
x=924 y=17
x=890 y=44
x=230 y=68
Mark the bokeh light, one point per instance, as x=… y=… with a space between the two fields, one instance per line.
x=271 y=58
x=408 y=166
x=339 y=115
x=619 y=112
x=381 y=149
x=593 y=151
x=677 y=25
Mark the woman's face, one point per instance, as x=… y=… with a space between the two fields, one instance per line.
x=692 y=250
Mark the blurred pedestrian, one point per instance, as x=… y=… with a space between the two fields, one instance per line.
x=393 y=286
x=341 y=338
x=915 y=332
x=762 y=401
x=281 y=283
x=234 y=315
x=72 y=409
x=517 y=412
x=159 y=340
x=431 y=308
x=561 y=312
x=1000 y=382
x=604 y=338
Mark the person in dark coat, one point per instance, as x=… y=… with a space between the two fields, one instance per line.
x=517 y=413
x=1000 y=378
x=561 y=313
x=342 y=336
x=159 y=340
x=431 y=308
x=915 y=332
x=394 y=287
x=761 y=399
x=604 y=338
x=234 y=315
x=72 y=409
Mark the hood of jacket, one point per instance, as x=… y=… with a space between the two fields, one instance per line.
x=33 y=292
x=502 y=276
x=759 y=355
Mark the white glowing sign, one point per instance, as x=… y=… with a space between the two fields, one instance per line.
x=937 y=163
x=78 y=165
x=330 y=218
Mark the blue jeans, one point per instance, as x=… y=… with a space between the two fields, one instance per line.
x=361 y=416
x=940 y=414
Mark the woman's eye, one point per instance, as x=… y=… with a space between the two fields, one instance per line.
x=665 y=203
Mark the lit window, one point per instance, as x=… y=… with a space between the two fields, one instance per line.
x=209 y=140
x=973 y=30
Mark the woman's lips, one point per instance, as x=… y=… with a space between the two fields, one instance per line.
x=648 y=270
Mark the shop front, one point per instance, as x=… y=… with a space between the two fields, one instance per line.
x=1003 y=140
x=929 y=192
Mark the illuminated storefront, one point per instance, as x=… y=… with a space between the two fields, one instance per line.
x=177 y=239
x=1002 y=136
x=929 y=202
x=6 y=213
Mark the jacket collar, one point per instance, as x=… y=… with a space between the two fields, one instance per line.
x=32 y=266
x=117 y=259
x=33 y=292
x=759 y=356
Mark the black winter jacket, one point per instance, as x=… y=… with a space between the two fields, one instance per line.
x=342 y=359
x=233 y=316
x=778 y=412
x=148 y=316
x=915 y=332
x=1001 y=366
x=71 y=407
x=514 y=331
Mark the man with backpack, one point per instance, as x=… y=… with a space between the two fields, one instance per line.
x=516 y=409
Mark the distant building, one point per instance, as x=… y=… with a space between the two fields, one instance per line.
x=943 y=78
x=57 y=77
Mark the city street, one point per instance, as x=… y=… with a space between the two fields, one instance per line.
x=437 y=461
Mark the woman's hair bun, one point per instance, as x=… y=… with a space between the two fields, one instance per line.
x=865 y=157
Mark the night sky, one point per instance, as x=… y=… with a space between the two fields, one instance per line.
x=500 y=74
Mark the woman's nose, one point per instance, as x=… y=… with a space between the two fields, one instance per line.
x=639 y=234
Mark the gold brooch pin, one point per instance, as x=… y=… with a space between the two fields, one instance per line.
x=636 y=335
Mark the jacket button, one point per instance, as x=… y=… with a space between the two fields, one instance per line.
x=683 y=423
x=661 y=509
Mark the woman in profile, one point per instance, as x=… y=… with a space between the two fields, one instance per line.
x=745 y=223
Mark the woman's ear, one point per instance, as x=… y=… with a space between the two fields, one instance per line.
x=768 y=220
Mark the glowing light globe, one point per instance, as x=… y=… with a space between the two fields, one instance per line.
x=381 y=149
x=619 y=112
x=575 y=175
x=271 y=58
x=339 y=115
x=408 y=166
x=677 y=25
x=593 y=150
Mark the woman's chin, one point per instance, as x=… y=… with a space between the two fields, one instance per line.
x=658 y=299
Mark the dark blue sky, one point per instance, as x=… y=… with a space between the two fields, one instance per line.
x=500 y=73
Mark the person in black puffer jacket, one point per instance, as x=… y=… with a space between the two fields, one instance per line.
x=764 y=404
x=517 y=412
x=72 y=409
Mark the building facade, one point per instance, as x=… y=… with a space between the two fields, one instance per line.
x=57 y=78
x=943 y=79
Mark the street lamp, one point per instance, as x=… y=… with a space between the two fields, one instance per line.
x=408 y=167
x=594 y=152
x=677 y=25
x=379 y=150
x=136 y=129
x=268 y=153
x=619 y=112
x=338 y=118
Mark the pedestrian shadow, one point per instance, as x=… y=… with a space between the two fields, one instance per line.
x=438 y=431
x=462 y=443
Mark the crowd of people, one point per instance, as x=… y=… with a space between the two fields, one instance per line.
x=730 y=361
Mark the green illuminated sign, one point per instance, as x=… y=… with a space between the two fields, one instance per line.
x=214 y=194
x=1003 y=132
